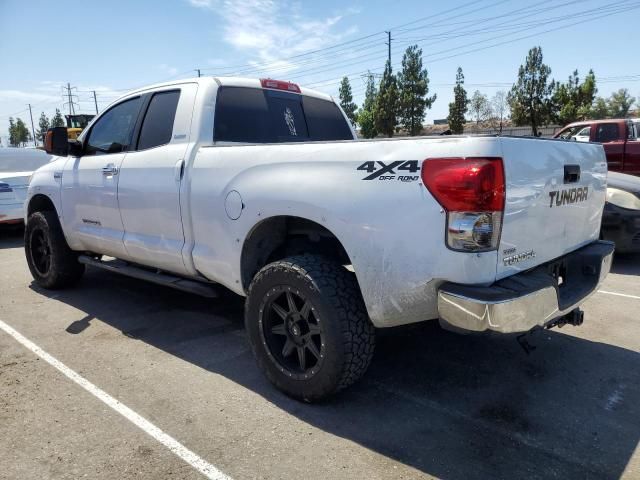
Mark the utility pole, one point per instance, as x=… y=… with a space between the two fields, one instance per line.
x=388 y=43
x=198 y=70
x=95 y=101
x=71 y=109
x=33 y=130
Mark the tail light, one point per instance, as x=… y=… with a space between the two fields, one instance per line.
x=472 y=191
x=279 y=85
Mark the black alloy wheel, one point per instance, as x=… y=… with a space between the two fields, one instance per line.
x=40 y=251
x=292 y=332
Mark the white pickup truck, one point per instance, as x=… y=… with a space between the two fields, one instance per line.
x=261 y=187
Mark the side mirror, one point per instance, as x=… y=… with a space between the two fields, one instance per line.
x=75 y=148
x=56 y=141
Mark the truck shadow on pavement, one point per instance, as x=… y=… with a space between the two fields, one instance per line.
x=626 y=264
x=456 y=407
x=11 y=236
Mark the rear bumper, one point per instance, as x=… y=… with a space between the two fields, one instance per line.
x=529 y=299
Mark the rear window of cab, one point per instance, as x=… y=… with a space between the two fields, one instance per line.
x=256 y=115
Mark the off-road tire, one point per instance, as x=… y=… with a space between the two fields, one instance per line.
x=348 y=335
x=63 y=268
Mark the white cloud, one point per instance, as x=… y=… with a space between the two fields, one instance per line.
x=168 y=69
x=26 y=97
x=203 y=3
x=47 y=95
x=269 y=31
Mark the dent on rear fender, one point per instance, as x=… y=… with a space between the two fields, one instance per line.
x=415 y=304
x=389 y=294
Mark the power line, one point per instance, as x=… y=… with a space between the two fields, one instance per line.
x=255 y=66
x=334 y=80
x=366 y=58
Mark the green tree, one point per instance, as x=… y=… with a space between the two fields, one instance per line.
x=22 y=132
x=366 y=118
x=367 y=124
x=43 y=126
x=479 y=107
x=13 y=137
x=18 y=132
x=587 y=95
x=57 y=120
x=599 y=110
x=413 y=84
x=573 y=100
x=370 y=94
x=346 y=101
x=620 y=103
x=458 y=108
x=499 y=108
x=530 y=96
x=386 y=110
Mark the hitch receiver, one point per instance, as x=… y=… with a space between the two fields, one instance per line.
x=575 y=317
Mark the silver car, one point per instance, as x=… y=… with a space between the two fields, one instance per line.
x=16 y=167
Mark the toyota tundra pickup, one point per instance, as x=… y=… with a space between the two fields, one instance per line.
x=262 y=187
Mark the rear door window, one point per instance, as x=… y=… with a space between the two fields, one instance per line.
x=325 y=120
x=607 y=132
x=157 y=126
x=253 y=115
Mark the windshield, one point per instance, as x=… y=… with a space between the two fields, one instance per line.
x=22 y=159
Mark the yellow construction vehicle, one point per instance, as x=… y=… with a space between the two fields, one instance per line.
x=77 y=123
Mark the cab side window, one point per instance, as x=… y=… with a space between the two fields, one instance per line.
x=607 y=132
x=157 y=126
x=585 y=132
x=569 y=133
x=113 y=132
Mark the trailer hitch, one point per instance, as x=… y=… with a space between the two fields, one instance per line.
x=575 y=317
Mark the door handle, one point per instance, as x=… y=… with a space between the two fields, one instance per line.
x=179 y=170
x=571 y=173
x=109 y=170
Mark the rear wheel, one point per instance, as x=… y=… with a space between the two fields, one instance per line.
x=51 y=262
x=308 y=326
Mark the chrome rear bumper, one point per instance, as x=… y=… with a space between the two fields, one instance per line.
x=528 y=299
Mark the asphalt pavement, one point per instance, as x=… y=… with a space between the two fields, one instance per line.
x=433 y=404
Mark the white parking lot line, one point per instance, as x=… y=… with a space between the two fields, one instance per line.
x=172 y=444
x=637 y=297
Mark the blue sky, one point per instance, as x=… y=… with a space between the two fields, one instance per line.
x=111 y=46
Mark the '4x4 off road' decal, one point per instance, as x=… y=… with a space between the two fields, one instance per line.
x=383 y=171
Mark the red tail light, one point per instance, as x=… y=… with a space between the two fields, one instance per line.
x=472 y=191
x=466 y=184
x=279 y=85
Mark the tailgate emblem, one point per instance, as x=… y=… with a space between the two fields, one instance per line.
x=572 y=195
x=519 y=257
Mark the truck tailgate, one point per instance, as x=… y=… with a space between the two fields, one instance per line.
x=555 y=192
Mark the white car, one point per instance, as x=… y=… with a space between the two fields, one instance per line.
x=262 y=187
x=16 y=167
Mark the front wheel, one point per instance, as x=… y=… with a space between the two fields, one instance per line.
x=308 y=326
x=51 y=262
